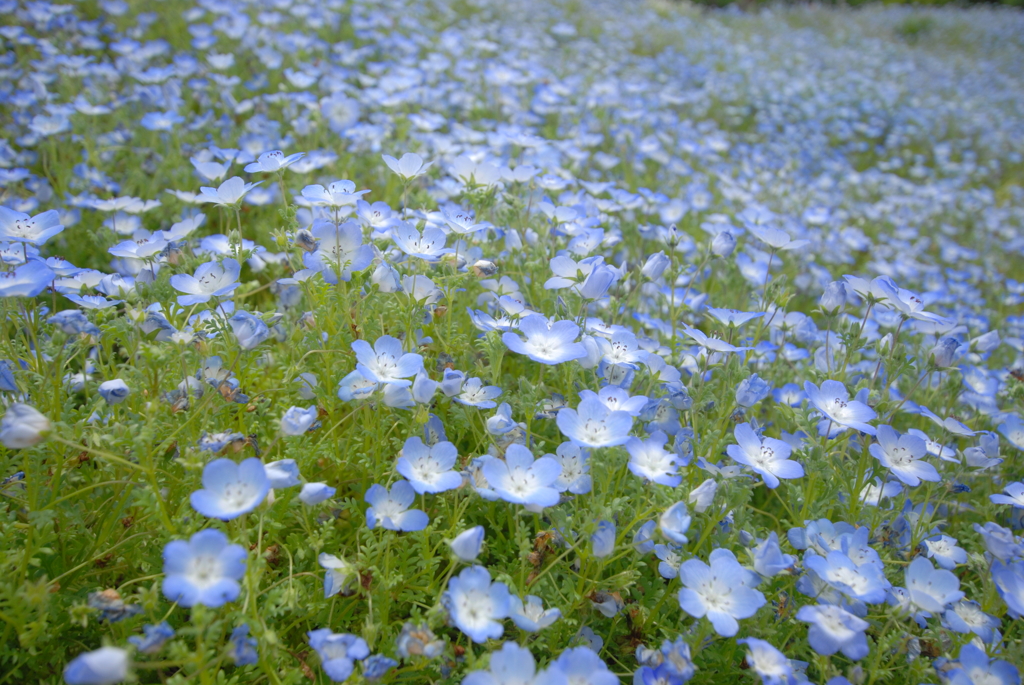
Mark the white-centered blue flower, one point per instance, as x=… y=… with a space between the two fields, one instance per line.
x=212 y=279
x=338 y=652
x=231 y=490
x=768 y=457
x=718 y=591
x=521 y=479
x=390 y=509
x=205 y=570
x=592 y=424
x=386 y=361
x=429 y=469
x=476 y=605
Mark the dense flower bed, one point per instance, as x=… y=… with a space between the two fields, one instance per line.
x=510 y=343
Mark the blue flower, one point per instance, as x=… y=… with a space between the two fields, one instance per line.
x=153 y=638
x=674 y=522
x=974 y=667
x=391 y=509
x=249 y=330
x=212 y=279
x=338 y=652
x=751 y=390
x=376 y=666
x=593 y=424
x=339 y=577
x=231 y=490
x=531 y=615
x=602 y=542
x=865 y=583
x=242 y=648
x=476 y=394
x=21 y=228
x=418 y=640
x=104 y=666
x=205 y=570
x=768 y=662
x=1009 y=582
x=769 y=560
x=315 y=493
x=386 y=361
x=22 y=426
x=719 y=591
x=510 y=665
x=429 y=469
x=476 y=605
x=466 y=545
x=520 y=479
x=547 y=343
x=297 y=420
x=283 y=473
x=835 y=629
x=115 y=391
x=650 y=460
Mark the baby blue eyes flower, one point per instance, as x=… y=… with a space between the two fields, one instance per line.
x=408 y=167
x=531 y=615
x=1013 y=494
x=466 y=546
x=376 y=666
x=22 y=426
x=315 y=493
x=974 y=668
x=231 y=490
x=649 y=460
x=902 y=455
x=115 y=391
x=27 y=280
x=502 y=422
x=520 y=479
x=751 y=390
x=340 y=251
x=943 y=549
x=930 y=590
x=297 y=420
x=242 y=648
x=546 y=343
x=718 y=591
x=104 y=666
x=593 y=424
x=228 y=194
x=212 y=279
x=418 y=640
x=1009 y=581
x=249 y=330
x=339 y=577
x=35 y=230
x=429 y=469
x=769 y=663
x=205 y=570
x=768 y=457
x=272 y=161
x=391 y=510
x=153 y=639
x=674 y=522
x=839 y=411
x=475 y=394
x=865 y=583
x=475 y=605
x=338 y=652
x=386 y=361
x=835 y=629
x=769 y=561
x=602 y=542
x=337 y=194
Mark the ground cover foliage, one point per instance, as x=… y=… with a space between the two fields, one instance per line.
x=510 y=342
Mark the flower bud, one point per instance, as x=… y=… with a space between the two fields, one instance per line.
x=466 y=546
x=942 y=353
x=723 y=244
x=655 y=266
x=22 y=426
x=834 y=297
x=703 y=495
x=884 y=344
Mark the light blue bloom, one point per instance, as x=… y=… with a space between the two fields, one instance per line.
x=643 y=541
x=19 y=227
x=242 y=648
x=768 y=662
x=602 y=542
x=502 y=422
x=249 y=330
x=751 y=390
x=297 y=420
x=1009 y=582
x=718 y=591
x=212 y=279
x=582 y=666
x=670 y=560
x=839 y=412
x=355 y=386
x=386 y=361
x=546 y=343
x=768 y=457
x=592 y=424
x=338 y=652
x=451 y=382
x=315 y=493
x=510 y=665
x=476 y=605
x=231 y=490
x=531 y=615
x=429 y=469
x=944 y=550
x=466 y=545
x=114 y=391
x=391 y=510
x=74 y=322
x=475 y=394
x=790 y=394
x=376 y=667
x=104 y=666
x=674 y=522
x=340 y=251
x=769 y=560
x=865 y=583
x=835 y=629
x=153 y=639
x=205 y=570
x=575 y=475
x=521 y=479
x=649 y=460
x=22 y=426
x=975 y=667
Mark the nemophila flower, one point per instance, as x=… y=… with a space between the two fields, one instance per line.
x=547 y=343
x=475 y=605
x=1014 y=495
x=769 y=663
x=339 y=577
x=221 y=442
x=386 y=361
x=575 y=476
x=510 y=665
x=315 y=493
x=227 y=194
x=27 y=280
x=718 y=591
x=35 y=230
x=769 y=561
x=231 y=490
x=902 y=455
x=390 y=509
x=502 y=421
x=592 y=424
x=602 y=542
x=340 y=251
x=461 y=221
x=768 y=457
x=701 y=497
x=674 y=522
x=249 y=329
x=840 y=412
x=790 y=394
x=429 y=469
x=356 y=386
x=160 y=121
x=475 y=394
x=1009 y=581
x=153 y=639
x=930 y=590
x=114 y=391
x=521 y=479
x=466 y=545
x=865 y=583
x=622 y=350
x=205 y=570
x=376 y=667
x=212 y=279
x=408 y=167
x=336 y=194
x=650 y=460
x=834 y=629
x=943 y=549
x=617 y=399
x=751 y=390
x=74 y=322
x=242 y=647
x=104 y=666
x=582 y=666
x=712 y=344
x=428 y=245
x=973 y=667
x=1000 y=542
x=22 y=426
x=966 y=616
x=417 y=640
x=338 y=652
x=531 y=615
x=1012 y=429
x=272 y=161
x=670 y=560
x=297 y=420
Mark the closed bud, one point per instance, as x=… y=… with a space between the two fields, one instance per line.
x=834 y=297
x=723 y=244
x=655 y=266
x=884 y=344
x=942 y=353
x=987 y=342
